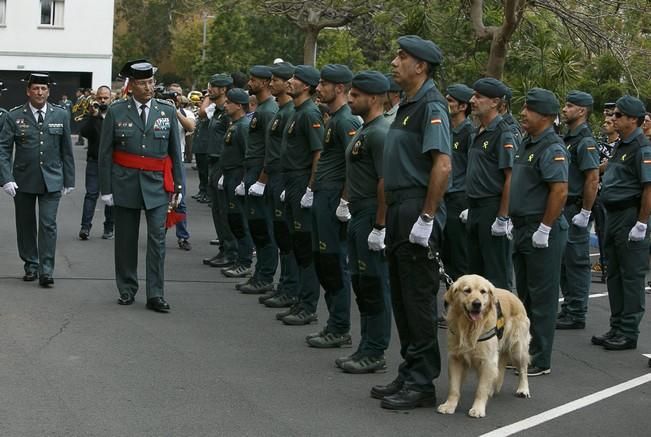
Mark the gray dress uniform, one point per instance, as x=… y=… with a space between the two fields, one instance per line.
x=43 y=164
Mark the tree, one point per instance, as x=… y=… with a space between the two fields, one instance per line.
x=315 y=15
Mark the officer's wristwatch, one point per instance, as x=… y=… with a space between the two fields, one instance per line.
x=426 y=218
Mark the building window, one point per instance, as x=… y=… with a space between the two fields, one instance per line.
x=52 y=13
x=3 y=12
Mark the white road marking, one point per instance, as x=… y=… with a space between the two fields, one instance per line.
x=590 y=296
x=548 y=415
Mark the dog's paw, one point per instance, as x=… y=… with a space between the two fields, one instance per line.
x=523 y=394
x=446 y=408
x=477 y=413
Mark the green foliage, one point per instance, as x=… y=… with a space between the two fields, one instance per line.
x=339 y=46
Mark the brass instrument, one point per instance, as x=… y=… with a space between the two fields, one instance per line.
x=82 y=108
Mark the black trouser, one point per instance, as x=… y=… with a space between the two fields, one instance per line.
x=600 y=220
x=414 y=279
x=202 y=168
x=455 y=238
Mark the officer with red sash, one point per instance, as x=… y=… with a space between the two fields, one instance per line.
x=140 y=168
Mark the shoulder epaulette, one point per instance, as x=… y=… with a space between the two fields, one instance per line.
x=119 y=102
x=56 y=105
x=165 y=102
x=16 y=108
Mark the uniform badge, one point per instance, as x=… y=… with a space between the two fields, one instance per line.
x=227 y=138
x=162 y=113
x=297 y=226
x=291 y=127
x=405 y=120
x=275 y=124
x=356 y=147
x=623 y=156
x=162 y=124
x=456 y=145
x=485 y=145
x=327 y=137
x=322 y=246
x=530 y=158
x=361 y=265
x=254 y=122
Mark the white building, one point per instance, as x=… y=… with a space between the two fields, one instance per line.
x=71 y=39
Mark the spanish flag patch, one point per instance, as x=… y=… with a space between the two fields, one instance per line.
x=647 y=161
x=351 y=133
x=316 y=125
x=435 y=121
x=591 y=148
x=508 y=146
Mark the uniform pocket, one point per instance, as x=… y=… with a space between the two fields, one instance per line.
x=161 y=134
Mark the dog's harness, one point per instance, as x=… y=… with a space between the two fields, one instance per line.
x=497 y=330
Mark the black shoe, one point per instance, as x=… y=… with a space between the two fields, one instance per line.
x=207 y=261
x=184 y=244
x=84 y=234
x=45 y=280
x=30 y=276
x=619 y=343
x=567 y=323
x=158 y=304
x=222 y=261
x=407 y=399
x=537 y=371
x=107 y=235
x=291 y=310
x=125 y=299
x=599 y=340
x=380 y=391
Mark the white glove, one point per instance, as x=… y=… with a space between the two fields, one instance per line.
x=540 y=238
x=342 y=213
x=499 y=228
x=581 y=219
x=421 y=232
x=509 y=229
x=307 y=199
x=176 y=200
x=282 y=196
x=67 y=190
x=376 y=239
x=464 y=216
x=108 y=199
x=220 y=183
x=10 y=188
x=257 y=189
x=638 y=232
x=240 y=190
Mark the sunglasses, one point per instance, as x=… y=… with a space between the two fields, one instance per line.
x=618 y=114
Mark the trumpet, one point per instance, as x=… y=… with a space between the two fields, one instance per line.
x=82 y=109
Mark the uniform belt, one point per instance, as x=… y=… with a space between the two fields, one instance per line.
x=623 y=204
x=361 y=204
x=483 y=201
x=523 y=220
x=395 y=196
x=147 y=163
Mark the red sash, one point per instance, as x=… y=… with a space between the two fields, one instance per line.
x=147 y=163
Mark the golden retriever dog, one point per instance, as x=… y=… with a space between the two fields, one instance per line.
x=473 y=328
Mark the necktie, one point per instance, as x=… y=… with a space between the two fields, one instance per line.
x=143 y=114
x=40 y=116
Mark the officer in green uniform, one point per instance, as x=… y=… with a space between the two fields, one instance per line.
x=416 y=169
x=330 y=211
x=626 y=194
x=538 y=192
x=583 y=181
x=454 y=252
x=232 y=165
x=2 y=110
x=200 y=143
x=366 y=228
x=218 y=122
x=286 y=293
x=507 y=116
x=37 y=136
x=140 y=168
x=258 y=213
x=488 y=180
x=393 y=99
x=301 y=147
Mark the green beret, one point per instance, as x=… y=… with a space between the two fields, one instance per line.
x=283 y=70
x=580 y=98
x=336 y=73
x=542 y=101
x=307 y=74
x=393 y=86
x=261 y=71
x=221 y=80
x=460 y=92
x=371 y=82
x=509 y=94
x=491 y=87
x=422 y=49
x=631 y=106
x=238 y=95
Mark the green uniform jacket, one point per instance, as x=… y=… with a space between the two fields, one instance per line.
x=43 y=160
x=235 y=144
x=264 y=114
x=274 y=137
x=303 y=135
x=123 y=130
x=583 y=153
x=3 y=112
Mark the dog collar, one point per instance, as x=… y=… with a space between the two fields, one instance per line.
x=499 y=326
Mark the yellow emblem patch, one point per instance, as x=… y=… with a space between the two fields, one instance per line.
x=404 y=122
x=530 y=158
x=322 y=246
x=623 y=156
x=485 y=145
x=361 y=266
x=456 y=145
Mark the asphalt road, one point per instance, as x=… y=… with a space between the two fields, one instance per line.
x=74 y=363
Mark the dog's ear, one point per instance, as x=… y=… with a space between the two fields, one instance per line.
x=449 y=293
x=492 y=294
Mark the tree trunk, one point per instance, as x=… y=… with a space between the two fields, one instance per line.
x=497 y=56
x=309 y=47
